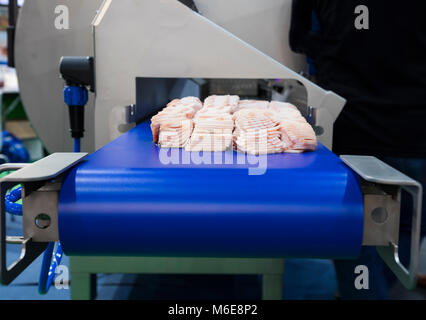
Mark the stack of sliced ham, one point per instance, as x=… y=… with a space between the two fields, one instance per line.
x=175 y=134
x=172 y=127
x=213 y=124
x=212 y=132
x=256 y=132
x=297 y=134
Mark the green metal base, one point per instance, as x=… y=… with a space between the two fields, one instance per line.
x=83 y=267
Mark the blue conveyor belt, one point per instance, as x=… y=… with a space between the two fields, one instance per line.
x=125 y=201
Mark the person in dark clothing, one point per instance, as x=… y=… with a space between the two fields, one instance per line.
x=373 y=53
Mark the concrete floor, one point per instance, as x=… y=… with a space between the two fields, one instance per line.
x=303 y=279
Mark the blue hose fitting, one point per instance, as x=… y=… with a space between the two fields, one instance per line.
x=76 y=98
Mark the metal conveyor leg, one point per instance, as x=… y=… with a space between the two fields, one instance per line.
x=83 y=268
x=80 y=286
x=272 y=286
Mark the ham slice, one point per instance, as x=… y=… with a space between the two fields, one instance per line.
x=213 y=125
x=221 y=123
x=175 y=134
x=299 y=136
x=173 y=120
x=286 y=111
x=227 y=103
x=209 y=142
x=192 y=102
x=256 y=132
x=211 y=133
x=252 y=104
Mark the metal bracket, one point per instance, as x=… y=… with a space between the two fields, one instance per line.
x=378 y=173
x=33 y=178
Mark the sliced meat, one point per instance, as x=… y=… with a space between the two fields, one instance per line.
x=175 y=115
x=209 y=142
x=219 y=102
x=256 y=132
x=213 y=127
x=250 y=126
x=286 y=111
x=175 y=135
x=298 y=135
x=252 y=104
